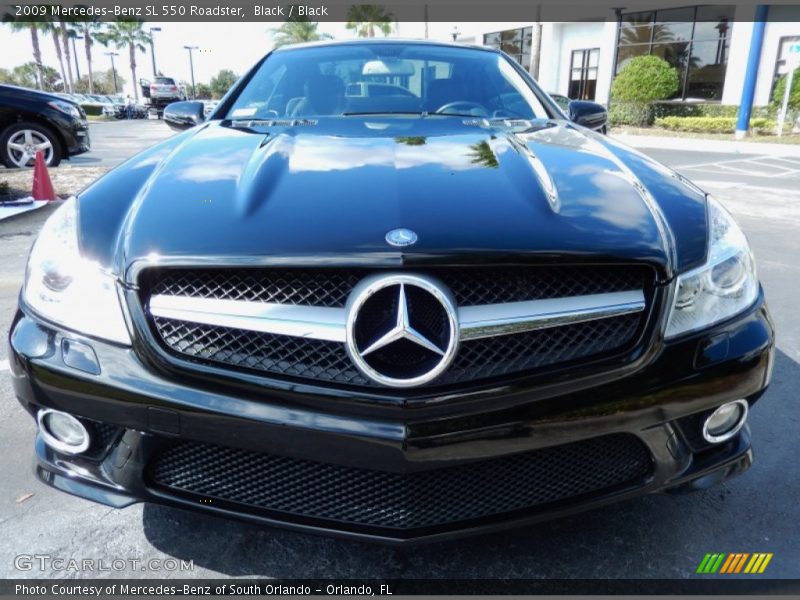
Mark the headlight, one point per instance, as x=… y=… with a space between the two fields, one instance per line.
x=66 y=108
x=722 y=287
x=64 y=287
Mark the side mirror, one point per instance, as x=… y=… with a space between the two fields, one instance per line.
x=183 y=115
x=589 y=114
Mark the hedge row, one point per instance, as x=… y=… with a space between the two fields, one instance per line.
x=623 y=113
x=711 y=124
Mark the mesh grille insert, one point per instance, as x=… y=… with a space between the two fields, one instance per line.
x=329 y=362
x=403 y=501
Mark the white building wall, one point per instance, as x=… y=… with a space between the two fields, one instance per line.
x=580 y=36
x=558 y=42
x=782 y=21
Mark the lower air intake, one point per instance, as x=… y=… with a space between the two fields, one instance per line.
x=306 y=489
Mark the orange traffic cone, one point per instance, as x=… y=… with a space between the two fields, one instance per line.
x=42 y=186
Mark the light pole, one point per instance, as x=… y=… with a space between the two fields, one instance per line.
x=75 y=54
x=113 y=69
x=153 y=49
x=191 y=66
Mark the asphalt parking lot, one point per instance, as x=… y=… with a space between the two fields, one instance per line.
x=653 y=537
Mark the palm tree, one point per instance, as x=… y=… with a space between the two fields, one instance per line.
x=366 y=18
x=67 y=30
x=53 y=30
x=89 y=29
x=296 y=31
x=128 y=33
x=411 y=140
x=482 y=154
x=34 y=27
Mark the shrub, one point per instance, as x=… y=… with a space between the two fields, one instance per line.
x=711 y=124
x=630 y=113
x=645 y=79
x=780 y=89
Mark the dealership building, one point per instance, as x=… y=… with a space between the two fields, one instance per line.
x=711 y=46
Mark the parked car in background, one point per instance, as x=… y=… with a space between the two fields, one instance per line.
x=31 y=120
x=97 y=105
x=160 y=92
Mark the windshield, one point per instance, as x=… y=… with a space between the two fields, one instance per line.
x=386 y=78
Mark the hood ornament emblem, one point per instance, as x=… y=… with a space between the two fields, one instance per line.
x=401 y=237
x=402 y=329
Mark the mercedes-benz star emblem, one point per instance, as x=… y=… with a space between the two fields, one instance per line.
x=401 y=237
x=402 y=330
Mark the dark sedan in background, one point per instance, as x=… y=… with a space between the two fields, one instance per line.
x=399 y=316
x=31 y=120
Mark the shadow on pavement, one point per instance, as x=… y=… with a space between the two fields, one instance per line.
x=660 y=536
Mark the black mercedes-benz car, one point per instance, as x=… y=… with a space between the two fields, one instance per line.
x=402 y=316
x=31 y=120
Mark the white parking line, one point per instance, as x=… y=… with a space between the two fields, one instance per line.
x=790 y=159
x=4 y=365
x=720 y=162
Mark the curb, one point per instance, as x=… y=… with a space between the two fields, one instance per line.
x=701 y=145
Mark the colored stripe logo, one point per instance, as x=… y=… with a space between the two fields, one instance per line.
x=735 y=562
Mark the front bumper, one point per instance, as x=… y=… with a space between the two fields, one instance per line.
x=76 y=136
x=154 y=412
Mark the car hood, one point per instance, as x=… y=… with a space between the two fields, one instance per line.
x=328 y=193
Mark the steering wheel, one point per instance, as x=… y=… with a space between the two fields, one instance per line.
x=466 y=104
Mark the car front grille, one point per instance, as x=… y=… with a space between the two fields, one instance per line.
x=402 y=501
x=328 y=362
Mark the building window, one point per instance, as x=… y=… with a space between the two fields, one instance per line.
x=514 y=42
x=785 y=43
x=583 y=74
x=694 y=40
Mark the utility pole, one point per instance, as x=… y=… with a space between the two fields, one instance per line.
x=153 y=50
x=191 y=66
x=114 y=70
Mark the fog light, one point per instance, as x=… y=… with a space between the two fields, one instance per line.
x=725 y=422
x=63 y=432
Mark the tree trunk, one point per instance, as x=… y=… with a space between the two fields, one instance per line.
x=132 y=50
x=60 y=58
x=87 y=40
x=37 y=56
x=67 y=56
